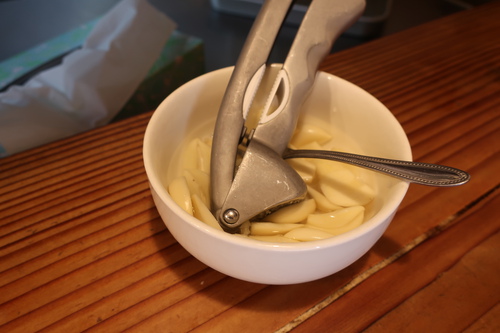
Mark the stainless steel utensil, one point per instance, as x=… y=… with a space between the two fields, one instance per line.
x=248 y=174
x=414 y=172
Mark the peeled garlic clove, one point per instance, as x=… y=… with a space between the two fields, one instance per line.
x=208 y=140
x=196 y=155
x=311 y=145
x=322 y=203
x=336 y=218
x=273 y=239
x=189 y=155
x=204 y=152
x=307 y=234
x=203 y=181
x=245 y=228
x=326 y=168
x=306 y=169
x=194 y=187
x=342 y=188
x=179 y=191
x=307 y=133
x=202 y=213
x=354 y=223
x=333 y=171
x=351 y=194
x=269 y=228
x=294 y=213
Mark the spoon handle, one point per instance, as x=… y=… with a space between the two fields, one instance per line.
x=415 y=172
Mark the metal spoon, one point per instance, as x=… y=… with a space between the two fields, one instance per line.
x=415 y=172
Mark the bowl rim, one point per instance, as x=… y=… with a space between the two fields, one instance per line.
x=156 y=185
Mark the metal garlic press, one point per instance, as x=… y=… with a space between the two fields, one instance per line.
x=249 y=177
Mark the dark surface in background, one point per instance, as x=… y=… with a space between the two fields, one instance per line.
x=27 y=23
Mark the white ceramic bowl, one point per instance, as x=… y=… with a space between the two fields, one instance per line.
x=350 y=108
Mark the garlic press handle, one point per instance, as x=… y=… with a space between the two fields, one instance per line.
x=323 y=23
x=230 y=119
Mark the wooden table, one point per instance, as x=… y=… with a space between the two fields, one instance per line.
x=82 y=246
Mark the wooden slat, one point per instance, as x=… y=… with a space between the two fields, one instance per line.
x=455 y=300
x=33 y=257
x=410 y=273
x=64 y=152
x=487 y=323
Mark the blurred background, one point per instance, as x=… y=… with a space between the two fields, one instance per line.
x=222 y=25
x=35 y=35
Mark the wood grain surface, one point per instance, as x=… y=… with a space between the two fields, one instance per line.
x=82 y=247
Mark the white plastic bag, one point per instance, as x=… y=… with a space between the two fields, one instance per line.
x=91 y=85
